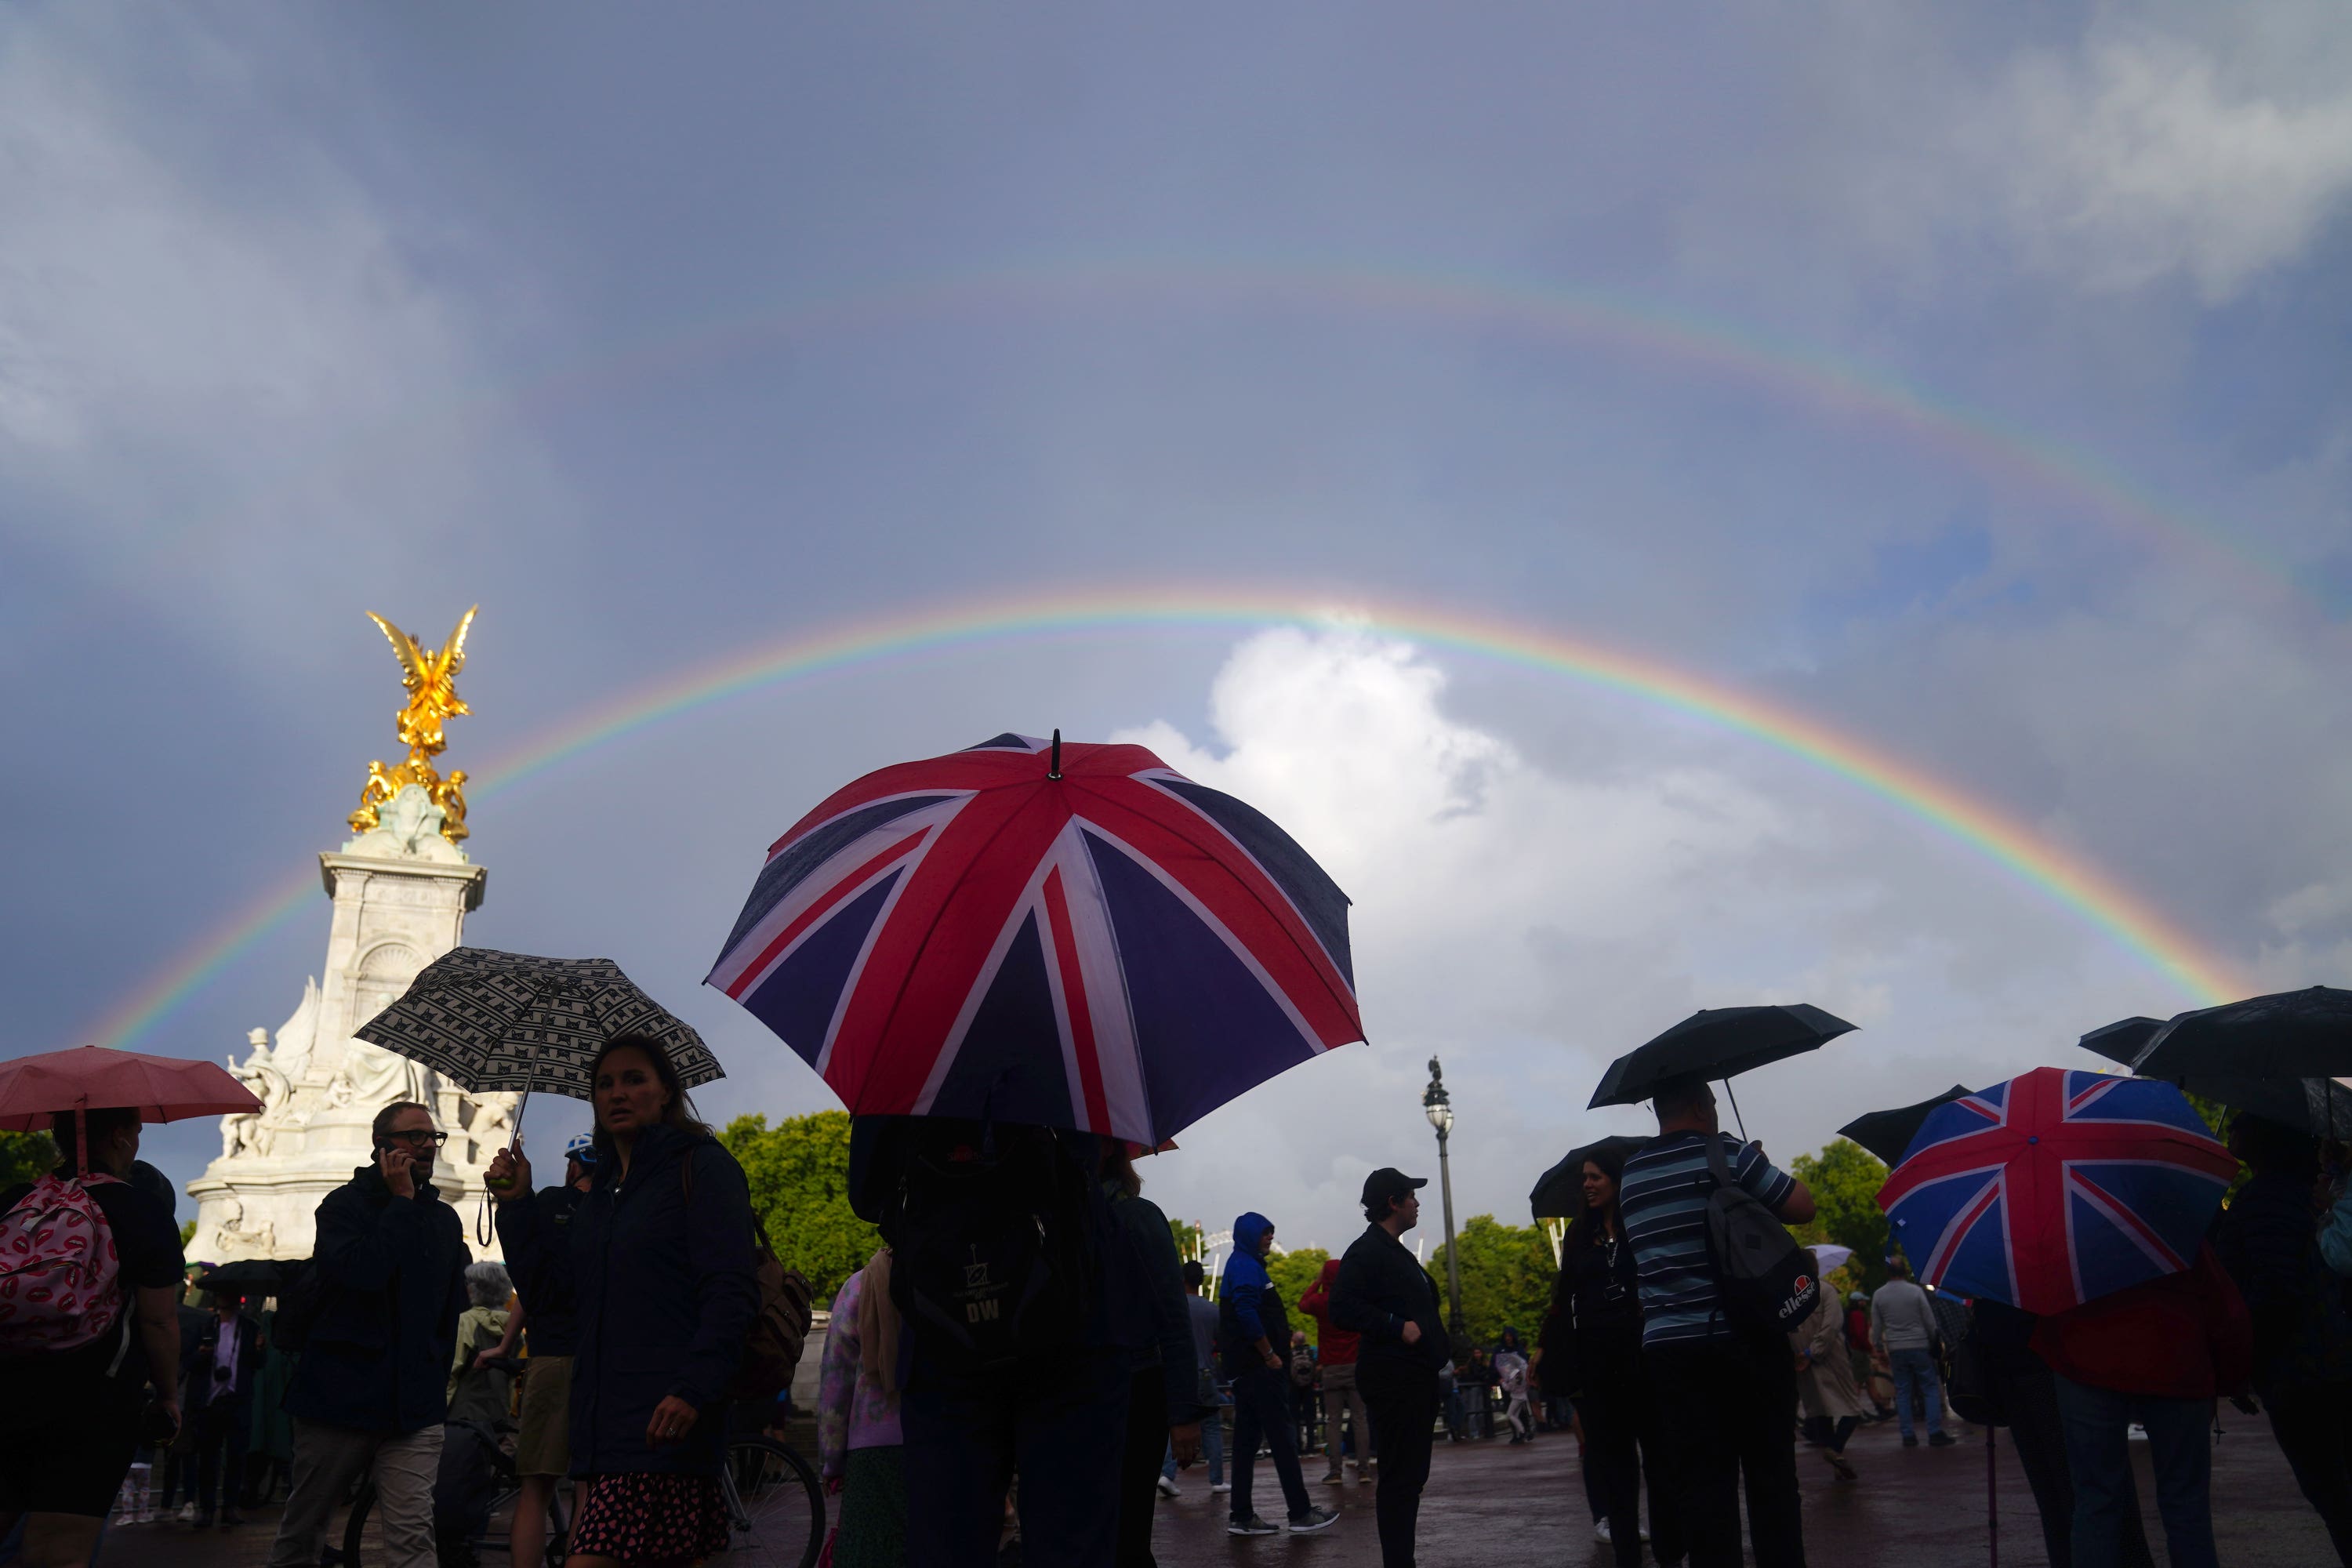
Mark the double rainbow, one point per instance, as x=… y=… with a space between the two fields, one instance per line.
x=2071 y=882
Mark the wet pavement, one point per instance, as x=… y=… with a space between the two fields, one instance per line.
x=1490 y=1505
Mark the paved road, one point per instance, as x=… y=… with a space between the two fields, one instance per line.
x=1490 y=1505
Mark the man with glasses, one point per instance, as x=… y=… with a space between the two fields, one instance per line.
x=370 y=1392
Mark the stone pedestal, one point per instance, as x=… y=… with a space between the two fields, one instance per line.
x=400 y=894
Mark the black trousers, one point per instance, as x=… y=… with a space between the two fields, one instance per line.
x=1139 y=1465
x=1061 y=1425
x=2312 y=1423
x=1261 y=1409
x=221 y=1431
x=2027 y=1395
x=1402 y=1404
x=1727 y=1408
x=1621 y=1438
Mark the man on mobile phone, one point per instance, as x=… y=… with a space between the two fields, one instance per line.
x=370 y=1393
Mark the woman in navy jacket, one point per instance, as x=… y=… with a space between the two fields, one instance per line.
x=660 y=1255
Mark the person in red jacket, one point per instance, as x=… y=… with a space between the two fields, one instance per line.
x=2158 y=1353
x=1338 y=1352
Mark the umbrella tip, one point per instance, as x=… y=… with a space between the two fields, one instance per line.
x=1054 y=771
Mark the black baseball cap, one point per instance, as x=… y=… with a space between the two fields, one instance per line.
x=1388 y=1184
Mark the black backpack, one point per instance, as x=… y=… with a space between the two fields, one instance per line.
x=994 y=1237
x=1766 y=1283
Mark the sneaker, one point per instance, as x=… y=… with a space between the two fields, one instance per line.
x=1941 y=1440
x=1220 y=1488
x=1168 y=1486
x=1845 y=1472
x=1334 y=1478
x=1909 y=1441
x=187 y=1514
x=1363 y=1475
x=1600 y=1530
x=1313 y=1519
x=1253 y=1525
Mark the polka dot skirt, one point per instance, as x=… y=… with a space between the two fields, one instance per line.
x=650 y=1520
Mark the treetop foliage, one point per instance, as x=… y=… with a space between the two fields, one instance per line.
x=799 y=1174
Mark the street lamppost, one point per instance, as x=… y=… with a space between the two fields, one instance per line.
x=1438 y=1108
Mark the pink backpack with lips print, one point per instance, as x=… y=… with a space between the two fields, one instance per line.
x=60 y=1281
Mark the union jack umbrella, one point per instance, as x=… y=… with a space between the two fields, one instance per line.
x=1069 y=936
x=2056 y=1188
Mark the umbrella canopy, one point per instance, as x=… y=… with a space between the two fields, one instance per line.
x=2293 y=1034
x=2314 y=1105
x=495 y=1020
x=247 y=1277
x=1070 y=936
x=1716 y=1042
x=1832 y=1257
x=2056 y=1188
x=1560 y=1192
x=1888 y=1133
x=92 y=1078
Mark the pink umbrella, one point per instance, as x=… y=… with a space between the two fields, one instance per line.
x=91 y=1077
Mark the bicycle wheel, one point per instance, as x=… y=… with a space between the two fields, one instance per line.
x=775 y=1507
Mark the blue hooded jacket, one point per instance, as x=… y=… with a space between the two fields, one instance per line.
x=1249 y=1308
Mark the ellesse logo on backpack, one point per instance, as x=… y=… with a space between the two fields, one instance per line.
x=1802 y=1288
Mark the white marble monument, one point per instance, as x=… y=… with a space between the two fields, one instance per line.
x=401 y=890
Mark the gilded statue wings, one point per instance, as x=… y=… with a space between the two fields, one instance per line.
x=422 y=667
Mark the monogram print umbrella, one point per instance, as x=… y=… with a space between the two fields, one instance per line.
x=513 y=1021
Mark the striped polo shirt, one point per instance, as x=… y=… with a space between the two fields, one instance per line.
x=1662 y=1203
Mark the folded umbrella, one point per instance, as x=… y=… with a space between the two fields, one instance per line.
x=2056 y=1188
x=1888 y=1133
x=1560 y=1192
x=495 y=1020
x=1067 y=936
x=1716 y=1043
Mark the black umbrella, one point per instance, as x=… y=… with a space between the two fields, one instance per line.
x=1888 y=1133
x=2123 y=1040
x=249 y=1277
x=1559 y=1192
x=1716 y=1042
x=2293 y=1034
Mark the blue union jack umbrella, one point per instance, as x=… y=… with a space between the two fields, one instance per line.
x=2056 y=1188
x=1070 y=936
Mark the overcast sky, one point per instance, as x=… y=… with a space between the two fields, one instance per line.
x=1972 y=380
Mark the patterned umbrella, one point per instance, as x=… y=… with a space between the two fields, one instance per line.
x=2056 y=1188
x=513 y=1021
x=1073 y=937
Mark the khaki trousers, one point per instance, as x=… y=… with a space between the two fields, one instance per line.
x=1338 y=1392
x=327 y=1459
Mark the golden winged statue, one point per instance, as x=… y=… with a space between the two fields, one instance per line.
x=430 y=677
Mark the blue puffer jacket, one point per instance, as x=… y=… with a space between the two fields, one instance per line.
x=665 y=1296
x=393 y=1273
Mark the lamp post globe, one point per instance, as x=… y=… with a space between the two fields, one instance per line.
x=1438 y=1106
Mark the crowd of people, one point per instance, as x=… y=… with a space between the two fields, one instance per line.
x=1027 y=1352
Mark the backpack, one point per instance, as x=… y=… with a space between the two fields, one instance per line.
x=771 y=1346
x=991 y=1232
x=1761 y=1270
x=61 y=1279
x=1302 y=1367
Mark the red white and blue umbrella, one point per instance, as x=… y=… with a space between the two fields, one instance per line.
x=1070 y=936
x=2056 y=1188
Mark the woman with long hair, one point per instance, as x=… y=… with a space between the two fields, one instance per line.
x=860 y=1444
x=1592 y=1352
x=661 y=1256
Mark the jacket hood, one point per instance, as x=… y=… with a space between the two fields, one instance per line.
x=1248 y=1231
x=1330 y=1272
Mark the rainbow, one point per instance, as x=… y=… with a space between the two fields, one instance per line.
x=2065 y=877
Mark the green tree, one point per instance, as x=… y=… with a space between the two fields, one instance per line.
x=187 y=1231
x=1294 y=1273
x=1507 y=1278
x=799 y=1174
x=1844 y=1179
x=26 y=1156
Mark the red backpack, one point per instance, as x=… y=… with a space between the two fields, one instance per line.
x=60 y=1281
